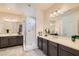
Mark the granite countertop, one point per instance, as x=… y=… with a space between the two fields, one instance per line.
x=3 y=35
x=66 y=41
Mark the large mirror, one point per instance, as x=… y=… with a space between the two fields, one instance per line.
x=66 y=24
x=7 y=27
x=10 y=23
x=70 y=22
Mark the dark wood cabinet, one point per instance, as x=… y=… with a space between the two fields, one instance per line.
x=52 y=49
x=45 y=46
x=3 y=42
x=20 y=40
x=40 y=43
x=67 y=51
x=63 y=52
x=48 y=47
x=11 y=41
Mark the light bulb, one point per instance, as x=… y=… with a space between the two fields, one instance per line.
x=8 y=8
x=59 y=11
x=51 y=15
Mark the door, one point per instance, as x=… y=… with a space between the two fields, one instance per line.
x=30 y=33
x=52 y=49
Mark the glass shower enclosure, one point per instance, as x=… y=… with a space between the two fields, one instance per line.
x=29 y=32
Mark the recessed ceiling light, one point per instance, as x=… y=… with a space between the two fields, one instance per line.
x=8 y=8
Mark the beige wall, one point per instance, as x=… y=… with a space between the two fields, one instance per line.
x=39 y=21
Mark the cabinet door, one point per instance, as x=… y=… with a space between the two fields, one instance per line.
x=64 y=53
x=19 y=40
x=45 y=49
x=67 y=51
x=12 y=40
x=40 y=42
x=3 y=42
x=52 y=49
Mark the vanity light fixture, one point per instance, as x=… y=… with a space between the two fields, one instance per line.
x=58 y=11
x=61 y=12
x=51 y=15
x=55 y=14
x=11 y=20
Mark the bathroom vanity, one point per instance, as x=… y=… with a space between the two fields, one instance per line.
x=8 y=40
x=58 y=46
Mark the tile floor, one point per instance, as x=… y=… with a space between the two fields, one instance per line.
x=18 y=51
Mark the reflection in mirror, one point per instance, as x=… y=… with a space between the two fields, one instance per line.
x=52 y=26
x=10 y=23
x=69 y=25
x=66 y=24
x=10 y=27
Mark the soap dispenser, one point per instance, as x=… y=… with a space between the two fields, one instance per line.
x=7 y=30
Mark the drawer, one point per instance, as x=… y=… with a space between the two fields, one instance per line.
x=68 y=49
x=64 y=53
x=52 y=43
x=52 y=49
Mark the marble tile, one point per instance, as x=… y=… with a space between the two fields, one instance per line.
x=18 y=51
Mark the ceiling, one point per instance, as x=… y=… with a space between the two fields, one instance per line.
x=42 y=6
x=10 y=8
x=18 y=8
